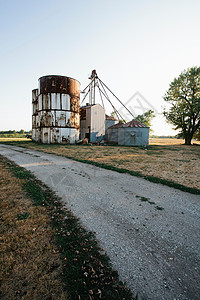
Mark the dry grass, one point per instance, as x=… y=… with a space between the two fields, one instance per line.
x=169 y=141
x=29 y=262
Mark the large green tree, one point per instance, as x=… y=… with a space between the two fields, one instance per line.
x=184 y=98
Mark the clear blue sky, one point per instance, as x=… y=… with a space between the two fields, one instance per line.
x=134 y=46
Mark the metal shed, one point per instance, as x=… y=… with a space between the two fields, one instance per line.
x=113 y=132
x=133 y=133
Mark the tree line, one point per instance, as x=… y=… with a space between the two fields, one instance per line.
x=14 y=134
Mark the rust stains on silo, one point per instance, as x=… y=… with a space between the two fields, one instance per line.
x=58 y=109
x=34 y=95
x=59 y=84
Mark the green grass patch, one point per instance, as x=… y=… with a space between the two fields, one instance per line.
x=144 y=199
x=152 y=202
x=159 y=207
x=182 y=160
x=23 y=216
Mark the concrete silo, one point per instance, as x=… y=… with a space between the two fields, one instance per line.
x=56 y=110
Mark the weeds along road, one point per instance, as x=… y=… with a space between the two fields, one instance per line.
x=150 y=231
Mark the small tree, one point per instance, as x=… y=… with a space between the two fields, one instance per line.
x=184 y=97
x=114 y=115
x=146 y=118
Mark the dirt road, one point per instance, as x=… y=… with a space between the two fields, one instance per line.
x=150 y=231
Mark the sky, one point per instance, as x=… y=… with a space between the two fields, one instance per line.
x=136 y=47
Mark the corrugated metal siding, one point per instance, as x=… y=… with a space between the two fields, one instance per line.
x=54 y=109
x=109 y=123
x=136 y=136
x=93 y=122
x=113 y=134
x=97 y=123
x=134 y=123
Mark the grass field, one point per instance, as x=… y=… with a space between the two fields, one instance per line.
x=168 y=159
x=169 y=141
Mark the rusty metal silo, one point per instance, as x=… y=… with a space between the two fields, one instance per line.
x=58 y=110
x=35 y=115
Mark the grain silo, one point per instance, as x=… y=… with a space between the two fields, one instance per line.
x=133 y=133
x=56 y=110
x=35 y=128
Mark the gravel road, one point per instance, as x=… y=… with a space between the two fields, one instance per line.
x=150 y=231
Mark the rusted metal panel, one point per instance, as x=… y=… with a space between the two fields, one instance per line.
x=83 y=113
x=34 y=95
x=61 y=118
x=134 y=123
x=55 y=135
x=34 y=125
x=73 y=121
x=69 y=135
x=74 y=104
x=57 y=110
x=35 y=108
x=59 y=84
x=34 y=101
x=34 y=114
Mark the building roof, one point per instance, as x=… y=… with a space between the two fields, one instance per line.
x=90 y=105
x=118 y=125
x=132 y=123
x=110 y=118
